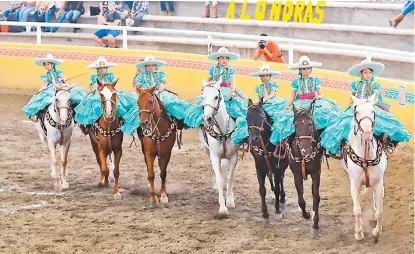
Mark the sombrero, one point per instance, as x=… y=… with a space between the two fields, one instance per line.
x=149 y=60
x=265 y=70
x=101 y=62
x=366 y=64
x=304 y=62
x=223 y=51
x=49 y=58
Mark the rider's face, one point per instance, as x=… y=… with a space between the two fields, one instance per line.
x=102 y=70
x=151 y=67
x=48 y=66
x=305 y=72
x=265 y=78
x=223 y=60
x=366 y=74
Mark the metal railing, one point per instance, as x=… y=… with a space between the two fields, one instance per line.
x=322 y=46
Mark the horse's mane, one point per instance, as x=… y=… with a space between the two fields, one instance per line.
x=161 y=104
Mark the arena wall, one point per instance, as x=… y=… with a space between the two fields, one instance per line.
x=185 y=72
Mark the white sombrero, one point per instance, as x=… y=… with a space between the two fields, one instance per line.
x=223 y=51
x=366 y=64
x=265 y=70
x=148 y=60
x=101 y=62
x=304 y=62
x=49 y=58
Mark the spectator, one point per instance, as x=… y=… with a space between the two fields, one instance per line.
x=164 y=9
x=111 y=18
x=270 y=50
x=14 y=8
x=103 y=6
x=75 y=10
x=26 y=10
x=215 y=9
x=407 y=8
x=57 y=9
x=139 y=10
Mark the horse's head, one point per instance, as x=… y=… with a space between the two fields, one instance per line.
x=63 y=102
x=108 y=99
x=305 y=130
x=257 y=122
x=149 y=107
x=212 y=99
x=364 y=116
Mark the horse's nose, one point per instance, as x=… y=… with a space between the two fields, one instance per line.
x=209 y=119
x=145 y=123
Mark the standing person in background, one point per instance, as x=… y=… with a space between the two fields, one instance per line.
x=215 y=9
x=407 y=8
x=270 y=50
x=75 y=10
x=164 y=9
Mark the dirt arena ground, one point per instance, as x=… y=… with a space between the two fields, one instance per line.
x=86 y=219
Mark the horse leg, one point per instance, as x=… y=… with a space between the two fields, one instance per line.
x=150 y=176
x=110 y=163
x=298 y=180
x=261 y=175
x=117 y=159
x=96 y=151
x=230 y=199
x=282 y=191
x=277 y=190
x=52 y=149
x=64 y=158
x=315 y=188
x=104 y=167
x=272 y=184
x=379 y=194
x=357 y=210
x=373 y=222
x=215 y=160
x=163 y=175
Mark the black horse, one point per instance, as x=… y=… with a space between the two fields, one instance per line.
x=265 y=155
x=305 y=153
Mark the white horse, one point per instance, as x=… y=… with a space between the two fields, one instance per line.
x=59 y=124
x=219 y=126
x=365 y=163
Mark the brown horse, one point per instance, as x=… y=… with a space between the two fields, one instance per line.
x=157 y=134
x=106 y=137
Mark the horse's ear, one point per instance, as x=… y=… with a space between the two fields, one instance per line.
x=99 y=82
x=373 y=99
x=204 y=83
x=250 y=103
x=354 y=99
x=217 y=85
x=261 y=102
x=138 y=89
x=152 y=89
x=115 y=82
x=295 y=109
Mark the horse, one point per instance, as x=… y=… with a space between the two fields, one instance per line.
x=365 y=161
x=157 y=134
x=55 y=125
x=265 y=155
x=106 y=137
x=215 y=136
x=304 y=155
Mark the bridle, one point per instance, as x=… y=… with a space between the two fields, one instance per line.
x=358 y=121
x=150 y=131
x=104 y=106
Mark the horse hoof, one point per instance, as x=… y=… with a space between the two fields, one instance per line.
x=65 y=185
x=373 y=223
x=278 y=216
x=153 y=203
x=376 y=233
x=58 y=187
x=164 y=200
x=315 y=232
x=224 y=211
x=282 y=206
x=307 y=216
x=266 y=221
x=117 y=196
x=230 y=203
x=359 y=236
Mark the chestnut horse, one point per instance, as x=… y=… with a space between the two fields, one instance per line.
x=106 y=137
x=157 y=134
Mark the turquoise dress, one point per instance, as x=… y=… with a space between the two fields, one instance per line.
x=324 y=110
x=90 y=109
x=176 y=107
x=44 y=98
x=385 y=122
x=236 y=107
x=274 y=107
